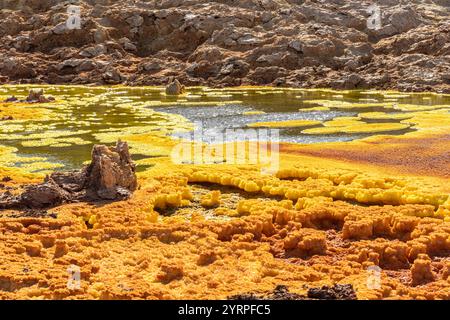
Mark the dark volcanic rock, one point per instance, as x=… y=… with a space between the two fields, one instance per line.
x=33 y=213
x=111 y=173
x=280 y=292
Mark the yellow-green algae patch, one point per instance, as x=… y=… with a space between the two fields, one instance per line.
x=11 y=162
x=375 y=127
x=435 y=121
x=42 y=136
x=192 y=103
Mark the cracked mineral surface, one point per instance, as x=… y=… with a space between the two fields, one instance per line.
x=288 y=43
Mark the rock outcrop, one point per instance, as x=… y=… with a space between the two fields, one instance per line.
x=110 y=176
x=320 y=43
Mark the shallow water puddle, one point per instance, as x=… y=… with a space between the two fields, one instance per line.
x=61 y=134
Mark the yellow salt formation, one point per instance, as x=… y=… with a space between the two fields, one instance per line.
x=284 y=124
x=305 y=202
x=375 y=127
x=385 y=116
x=444 y=210
x=415 y=107
x=259 y=247
x=152 y=216
x=212 y=199
x=253 y=206
x=251 y=113
x=333 y=104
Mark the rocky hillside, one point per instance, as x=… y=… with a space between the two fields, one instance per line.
x=311 y=43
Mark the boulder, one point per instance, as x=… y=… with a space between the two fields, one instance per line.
x=87 y=65
x=151 y=66
x=93 y=51
x=174 y=88
x=350 y=81
x=235 y=68
x=60 y=28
